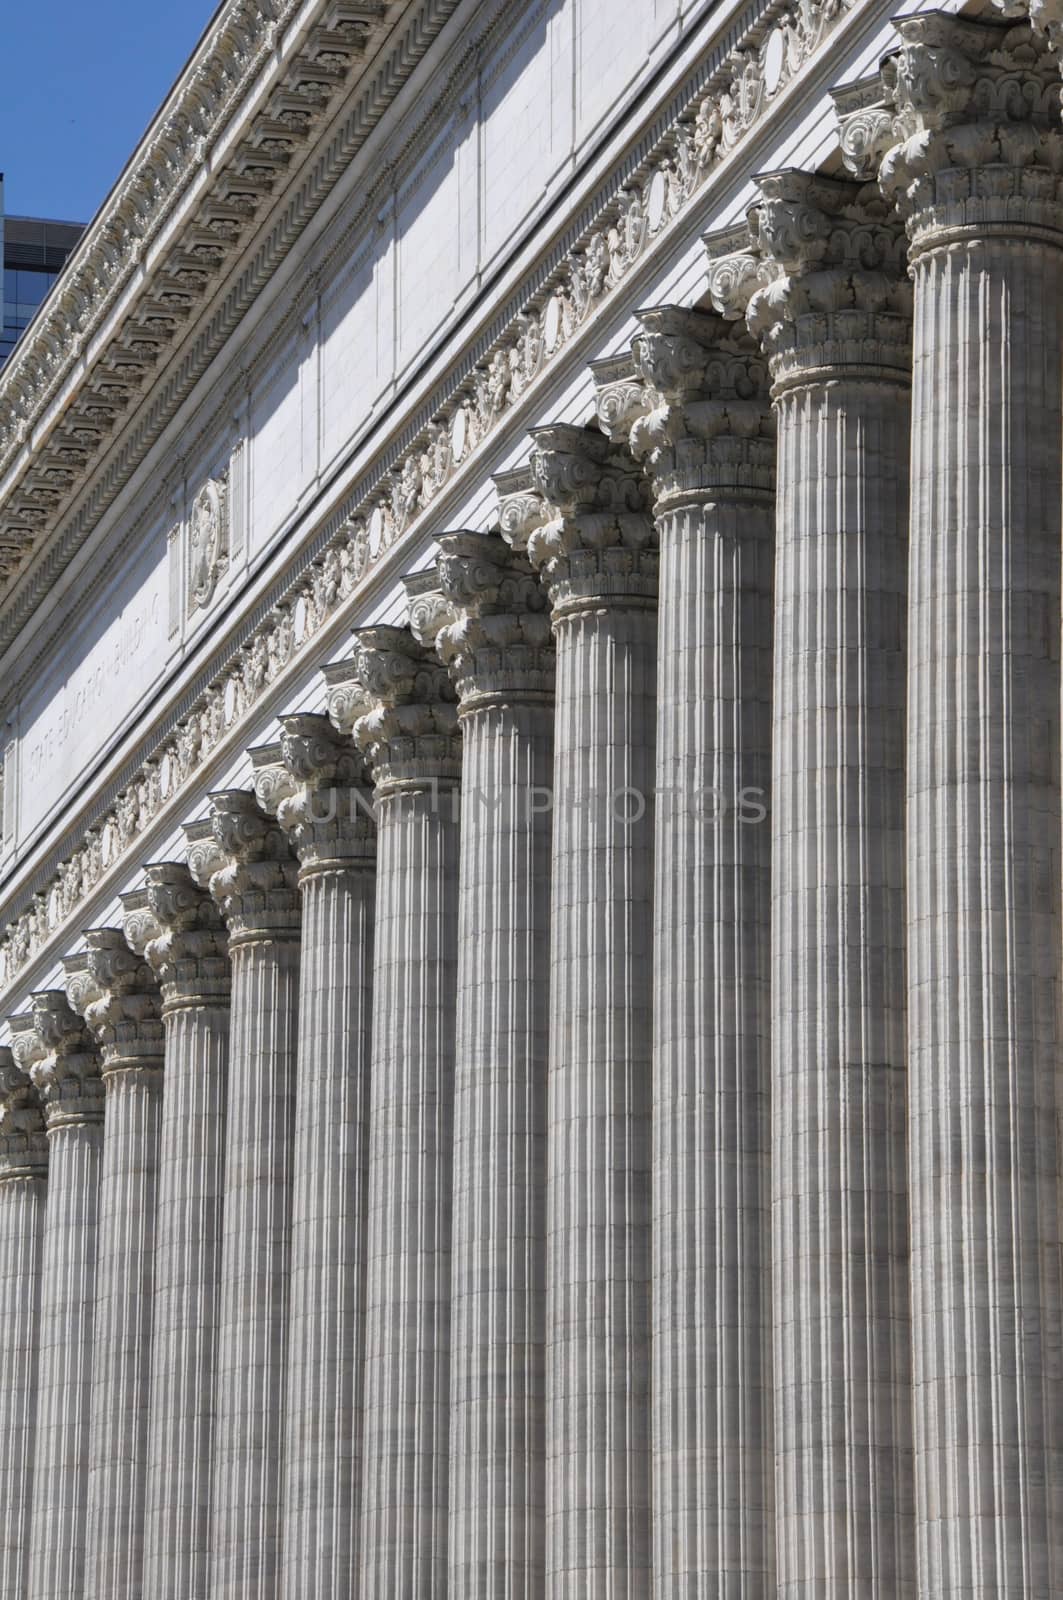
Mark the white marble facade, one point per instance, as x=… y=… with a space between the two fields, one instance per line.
x=530 y=855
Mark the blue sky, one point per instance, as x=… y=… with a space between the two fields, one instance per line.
x=79 y=83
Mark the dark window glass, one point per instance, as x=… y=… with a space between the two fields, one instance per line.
x=25 y=289
x=33 y=286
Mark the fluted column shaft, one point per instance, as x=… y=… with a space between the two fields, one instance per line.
x=315 y=783
x=598 y=1172
x=976 y=172
x=834 y=321
x=497 y=1421
x=254 y=887
x=22 y=1204
x=840 y=1226
x=188 y=1272
x=256 y=1238
x=497 y=645
x=327 y=1339
x=115 y=992
x=408 y=1339
x=23 y=1194
x=60 y=1482
x=122 y=1334
x=984 y=885
x=600 y=566
x=414 y=752
x=179 y=930
x=711 y=457
x=50 y=1043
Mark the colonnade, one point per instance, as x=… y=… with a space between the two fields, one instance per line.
x=584 y=1121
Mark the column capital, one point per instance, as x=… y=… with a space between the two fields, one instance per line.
x=1044 y=16
x=621 y=395
x=599 y=545
x=177 y=928
x=428 y=611
x=246 y=864
x=828 y=295
x=865 y=126
x=315 y=783
x=395 y=699
x=270 y=778
x=736 y=270
x=966 y=136
x=23 y=1141
x=114 y=990
x=488 y=618
x=521 y=507
x=708 y=426
x=55 y=1050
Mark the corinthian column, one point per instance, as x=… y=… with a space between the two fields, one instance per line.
x=487 y=615
x=251 y=874
x=315 y=784
x=115 y=992
x=595 y=546
x=177 y=928
x=398 y=702
x=967 y=140
x=51 y=1045
x=706 y=434
x=830 y=304
x=23 y=1189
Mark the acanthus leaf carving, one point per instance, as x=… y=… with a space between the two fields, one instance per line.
x=23 y=1141
x=711 y=426
x=822 y=280
x=621 y=395
x=521 y=507
x=400 y=710
x=174 y=924
x=114 y=990
x=52 y=1046
x=323 y=801
x=599 y=541
x=966 y=129
x=494 y=636
x=1045 y=16
x=246 y=864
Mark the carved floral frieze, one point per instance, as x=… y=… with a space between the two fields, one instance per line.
x=774 y=49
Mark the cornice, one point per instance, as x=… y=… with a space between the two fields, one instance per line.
x=665 y=182
x=164 y=240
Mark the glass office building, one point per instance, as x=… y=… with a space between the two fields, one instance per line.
x=35 y=249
